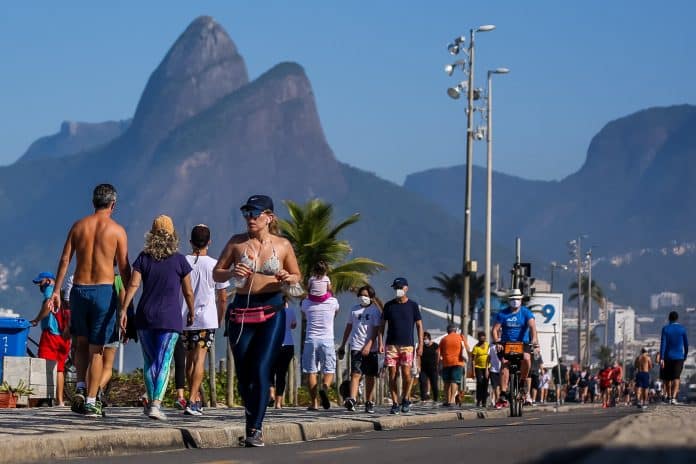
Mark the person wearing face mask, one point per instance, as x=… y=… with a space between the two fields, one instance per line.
x=365 y=342
x=54 y=344
x=400 y=315
x=428 y=370
x=515 y=324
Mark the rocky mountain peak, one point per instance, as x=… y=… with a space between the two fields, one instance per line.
x=202 y=66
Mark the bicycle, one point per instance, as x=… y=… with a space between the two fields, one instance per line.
x=514 y=354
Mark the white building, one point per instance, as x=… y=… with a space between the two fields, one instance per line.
x=624 y=325
x=666 y=300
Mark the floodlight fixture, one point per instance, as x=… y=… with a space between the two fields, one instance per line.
x=485 y=28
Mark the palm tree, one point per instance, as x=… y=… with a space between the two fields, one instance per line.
x=597 y=292
x=314 y=239
x=604 y=355
x=450 y=288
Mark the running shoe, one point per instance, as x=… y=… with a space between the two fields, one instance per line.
x=255 y=440
x=349 y=404
x=77 y=405
x=324 y=396
x=180 y=404
x=192 y=409
x=93 y=409
x=156 y=413
x=406 y=406
x=370 y=407
x=394 y=409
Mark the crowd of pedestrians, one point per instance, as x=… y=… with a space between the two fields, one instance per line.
x=184 y=300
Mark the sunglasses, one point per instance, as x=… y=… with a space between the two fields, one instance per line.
x=252 y=213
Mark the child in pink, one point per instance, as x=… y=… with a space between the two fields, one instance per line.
x=319 y=284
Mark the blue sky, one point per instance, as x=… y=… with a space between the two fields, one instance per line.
x=376 y=69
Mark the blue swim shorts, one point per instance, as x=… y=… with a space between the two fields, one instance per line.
x=94 y=309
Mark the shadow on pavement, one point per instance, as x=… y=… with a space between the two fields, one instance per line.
x=622 y=455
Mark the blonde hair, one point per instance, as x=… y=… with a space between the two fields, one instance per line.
x=273 y=227
x=161 y=244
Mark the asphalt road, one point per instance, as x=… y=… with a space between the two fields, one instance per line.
x=510 y=440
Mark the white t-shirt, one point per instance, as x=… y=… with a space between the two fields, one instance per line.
x=494 y=360
x=205 y=314
x=364 y=321
x=544 y=383
x=320 y=319
x=318 y=286
x=290 y=319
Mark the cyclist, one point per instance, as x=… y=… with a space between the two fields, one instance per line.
x=515 y=324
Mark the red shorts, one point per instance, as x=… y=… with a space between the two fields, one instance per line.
x=55 y=348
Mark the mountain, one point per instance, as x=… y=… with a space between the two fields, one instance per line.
x=202 y=140
x=630 y=195
x=75 y=137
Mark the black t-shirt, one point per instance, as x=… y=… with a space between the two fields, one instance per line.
x=400 y=319
x=429 y=358
x=564 y=372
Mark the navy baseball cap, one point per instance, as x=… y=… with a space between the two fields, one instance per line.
x=42 y=276
x=258 y=203
x=399 y=282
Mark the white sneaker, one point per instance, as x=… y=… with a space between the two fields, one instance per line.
x=156 y=413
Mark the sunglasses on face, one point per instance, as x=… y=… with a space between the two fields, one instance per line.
x=252 y=213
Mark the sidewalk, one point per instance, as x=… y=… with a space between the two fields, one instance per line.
x=53 y=433
x=662 y=434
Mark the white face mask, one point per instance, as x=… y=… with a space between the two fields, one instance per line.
x=515 y=303
x=400 y=293
x=364 y=300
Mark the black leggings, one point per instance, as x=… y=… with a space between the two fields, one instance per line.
x=279 y=372
x=180 y=364
x=481 y=385
x=428 y=375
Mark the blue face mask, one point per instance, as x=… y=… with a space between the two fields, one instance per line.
x=47 y=291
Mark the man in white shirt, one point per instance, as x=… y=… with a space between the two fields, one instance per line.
x=365 y=342
x=210 y=299
x=318 y=352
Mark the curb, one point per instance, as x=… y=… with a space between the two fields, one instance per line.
x=122 y=442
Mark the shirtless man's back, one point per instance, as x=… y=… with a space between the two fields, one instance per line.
x=643 y=366
x=96 y=241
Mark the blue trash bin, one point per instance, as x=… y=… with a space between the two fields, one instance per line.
x=14 y=332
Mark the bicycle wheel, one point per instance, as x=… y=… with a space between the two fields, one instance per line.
x=513 y=394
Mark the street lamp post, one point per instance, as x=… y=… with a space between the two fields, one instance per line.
x=589 y=308
x=454 y=49
x=554 y=266
x=489 y=199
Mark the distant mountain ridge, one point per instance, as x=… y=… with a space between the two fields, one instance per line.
x=75 y=137
x=632 y=193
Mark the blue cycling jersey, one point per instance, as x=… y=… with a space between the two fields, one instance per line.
x=514 y=324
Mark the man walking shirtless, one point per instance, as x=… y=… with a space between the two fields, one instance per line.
x=643 y=366
x=96 y=241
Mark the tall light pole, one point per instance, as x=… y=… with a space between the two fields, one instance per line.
x=454 y=49
x=554 y=266
x=589 y=308
x=489 y=199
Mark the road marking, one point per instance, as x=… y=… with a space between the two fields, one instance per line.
x=464 y=434
x=410 y=439
x=330 y=450
x=533 y=418
x=516 y=423
x=219 y=462
x=491 y=429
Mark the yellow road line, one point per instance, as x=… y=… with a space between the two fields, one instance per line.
x=464 y=434
x=533 y=418
x=515 y=423
x=491 y=429
x=330 y=450
x=410 y=439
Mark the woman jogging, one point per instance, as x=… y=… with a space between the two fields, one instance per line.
x=262 y=264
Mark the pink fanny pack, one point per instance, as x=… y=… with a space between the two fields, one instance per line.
x=252 y=315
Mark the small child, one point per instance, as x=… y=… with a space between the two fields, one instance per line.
x=319 y=283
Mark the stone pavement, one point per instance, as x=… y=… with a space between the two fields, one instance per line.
x=661 y=434
x=38 y=434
